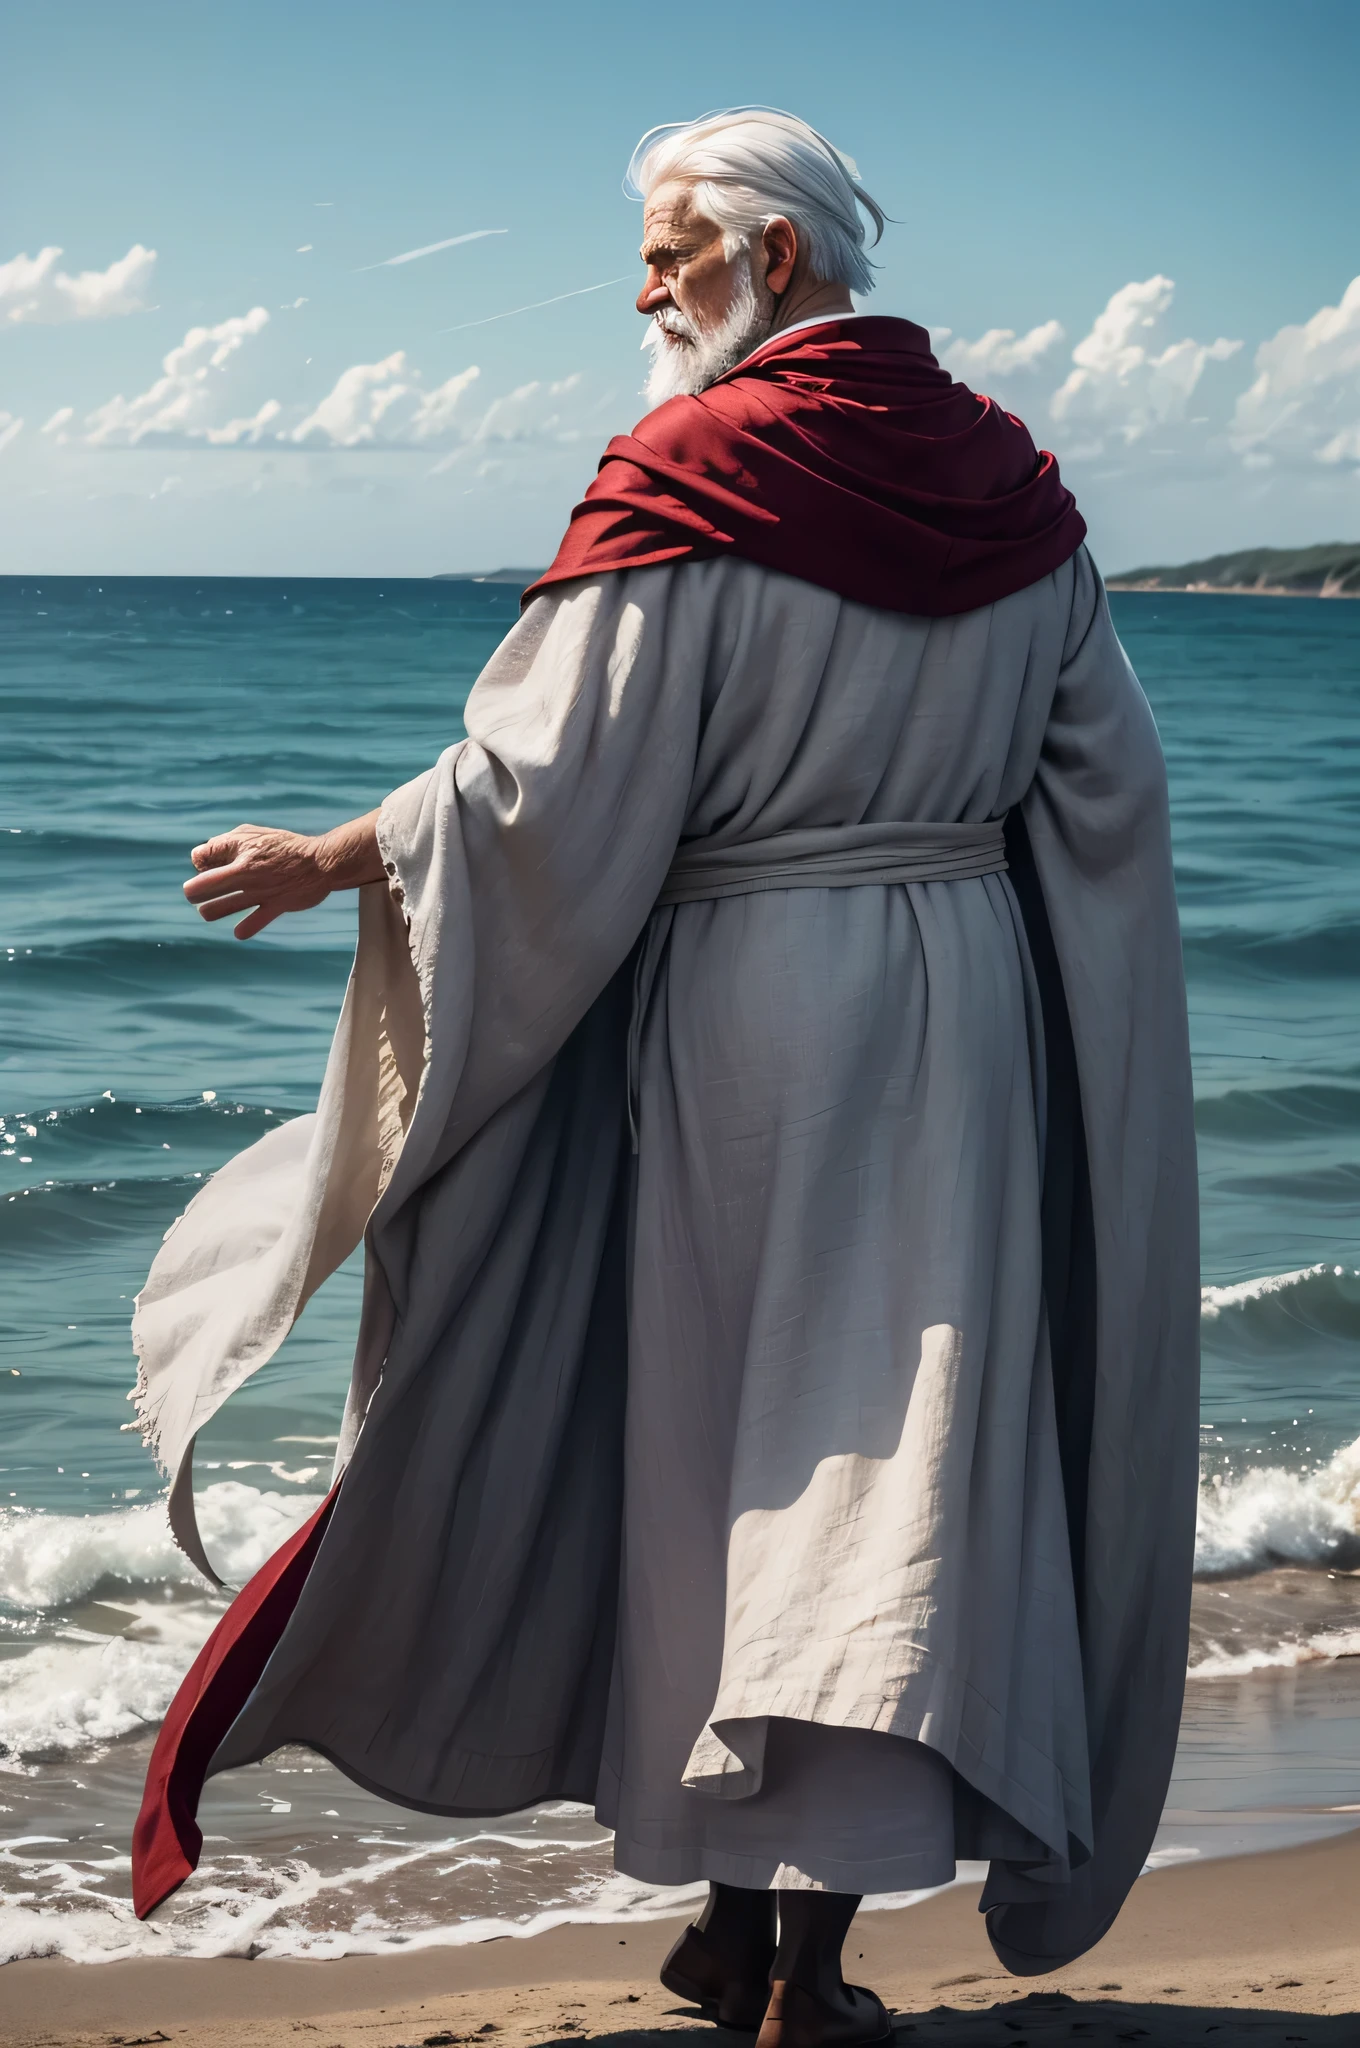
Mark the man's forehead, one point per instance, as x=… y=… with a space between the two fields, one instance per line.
x=670 y=212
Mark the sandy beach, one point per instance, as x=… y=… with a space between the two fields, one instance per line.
x=1258 y=1949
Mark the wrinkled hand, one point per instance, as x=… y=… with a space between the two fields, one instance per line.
x=259 y=869
x=264 y=871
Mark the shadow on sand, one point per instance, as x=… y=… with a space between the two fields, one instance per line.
x=1043 y=2020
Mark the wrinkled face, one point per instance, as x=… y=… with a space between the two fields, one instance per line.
x=687 y=268
x=705 y=308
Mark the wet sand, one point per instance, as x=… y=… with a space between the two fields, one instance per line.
x=1258 y=1949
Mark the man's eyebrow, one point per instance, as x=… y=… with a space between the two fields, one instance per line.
x=679 y=246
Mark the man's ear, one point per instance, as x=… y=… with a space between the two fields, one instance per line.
x=779 y=239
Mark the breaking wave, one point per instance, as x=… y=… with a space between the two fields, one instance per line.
x=1256 y=1520
x=115 y=1613
x=1308 y=1284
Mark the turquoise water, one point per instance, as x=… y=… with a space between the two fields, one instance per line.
x=141 y=1048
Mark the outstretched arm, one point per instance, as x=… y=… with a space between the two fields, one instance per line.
x=263 y=870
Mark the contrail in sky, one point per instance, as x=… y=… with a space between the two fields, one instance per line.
x=533 y=308
x=432 y=249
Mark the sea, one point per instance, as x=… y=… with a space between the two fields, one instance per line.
x=141 y=1048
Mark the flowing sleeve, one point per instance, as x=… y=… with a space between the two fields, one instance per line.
x=1121 y=1258
x=521 y=868
x=528 y=858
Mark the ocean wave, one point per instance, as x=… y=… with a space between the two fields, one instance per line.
x=77 y=1694
x=106 y=1670
x=110 y=1172
x=38 y=845
x=1243 y=1294
x=66 y=1219
x=1267 y=1516
x=124 y=1120
x=289 y=1908
x=1324 y=1647
x=90 y=970
x=1252 y=1116
x=105 y=1140
x=51 y=1560
x=1329 y=952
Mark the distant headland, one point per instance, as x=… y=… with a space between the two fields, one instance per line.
x=1331 y=569
x=523 y=577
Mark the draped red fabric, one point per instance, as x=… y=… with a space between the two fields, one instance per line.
x=167 y=1837
x=842 y=454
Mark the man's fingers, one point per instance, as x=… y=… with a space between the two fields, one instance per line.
x=227 y=906
x=248 y=868
x=217 y=881
x=215 y=853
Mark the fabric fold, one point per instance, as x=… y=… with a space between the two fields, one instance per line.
x=166 y=1839
x=237 y=1268
x=840 y=453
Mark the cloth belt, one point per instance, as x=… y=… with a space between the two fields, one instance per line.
x=835 y=857
x=818 y=857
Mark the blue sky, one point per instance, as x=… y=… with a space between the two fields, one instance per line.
x=1137 y=226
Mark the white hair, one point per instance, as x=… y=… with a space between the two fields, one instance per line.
x=748 y=164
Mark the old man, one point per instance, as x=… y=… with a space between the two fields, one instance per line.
x=764 y=1099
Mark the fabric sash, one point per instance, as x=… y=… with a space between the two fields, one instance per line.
x=817 y=857
x=836 y=857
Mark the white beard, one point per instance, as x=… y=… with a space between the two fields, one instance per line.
x=686 y=359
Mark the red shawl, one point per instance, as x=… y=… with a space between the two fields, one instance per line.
x=842 y=454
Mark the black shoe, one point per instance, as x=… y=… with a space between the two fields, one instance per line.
x=796 y=2018
x=695 y=1971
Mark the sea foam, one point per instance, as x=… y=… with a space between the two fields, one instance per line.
x=51 y=1560
x=80 y=1686
x=1252 y=1520
x=1241 y=1293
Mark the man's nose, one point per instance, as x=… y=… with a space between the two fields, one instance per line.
x=653 y=294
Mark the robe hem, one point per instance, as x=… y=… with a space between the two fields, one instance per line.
x=1052 y=1828
x=920 y=1871
x=581 y=1795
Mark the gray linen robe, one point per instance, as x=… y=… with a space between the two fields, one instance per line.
x=839 y=1431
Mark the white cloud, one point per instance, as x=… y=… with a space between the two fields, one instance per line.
x=353 y=410
x=434 y=414
x=243 y=432
x=184 y=401
x=1305 y=400
x=1128 y=378
x=212 y=395
x=1000 y=352
x=10 y=427
x=527 y=417
x=33 y=289
x=519 y=416
x=385 y=405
